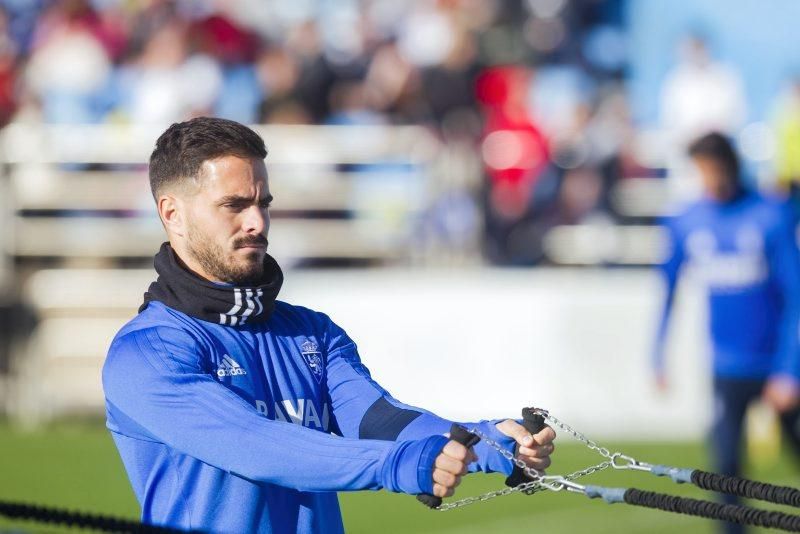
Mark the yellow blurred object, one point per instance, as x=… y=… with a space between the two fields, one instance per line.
x=788 y=144
x=763 y=435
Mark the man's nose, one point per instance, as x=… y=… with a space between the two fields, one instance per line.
x=256 y=220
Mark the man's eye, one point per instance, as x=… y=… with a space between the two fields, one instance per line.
x=265 y=205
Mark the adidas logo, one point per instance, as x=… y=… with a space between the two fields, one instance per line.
x=229 y=367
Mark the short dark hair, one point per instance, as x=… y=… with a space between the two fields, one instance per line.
x=181 y=150
x=719 y=148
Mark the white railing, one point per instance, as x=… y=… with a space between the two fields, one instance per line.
x=365 y=185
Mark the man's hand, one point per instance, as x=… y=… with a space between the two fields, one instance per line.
x=661 y=382
x=450 y=466
x=782 y=392
x=534 y=450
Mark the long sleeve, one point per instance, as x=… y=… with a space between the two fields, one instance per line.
x=363 y=409
x=157 y=390
x=670 y=270
x=784 y=261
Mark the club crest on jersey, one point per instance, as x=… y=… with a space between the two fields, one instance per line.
x=313 y=358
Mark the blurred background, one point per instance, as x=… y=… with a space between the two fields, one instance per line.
x=471 y=188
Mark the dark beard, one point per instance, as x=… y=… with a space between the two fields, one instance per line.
x=211 y=258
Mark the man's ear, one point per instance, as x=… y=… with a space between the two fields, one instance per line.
x=172 y=211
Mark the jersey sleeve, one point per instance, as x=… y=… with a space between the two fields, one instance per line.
x=363 y=409
x=784 y=264
x=156 y=389
x=669 y=269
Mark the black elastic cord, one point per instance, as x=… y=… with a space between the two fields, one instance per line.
x=746 y=488
x=733 y=513
x=78 y=519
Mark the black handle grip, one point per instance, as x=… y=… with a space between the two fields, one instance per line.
x=533 y=423
x=466 y=438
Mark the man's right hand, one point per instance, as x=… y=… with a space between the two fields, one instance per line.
x=450 y=466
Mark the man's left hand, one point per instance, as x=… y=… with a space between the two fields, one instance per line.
x=534 y=450
x=782 y=392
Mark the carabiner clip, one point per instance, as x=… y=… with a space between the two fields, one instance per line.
x=629 y=463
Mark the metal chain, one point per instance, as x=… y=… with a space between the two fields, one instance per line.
x=537 y=482
x=528 y=488
x=554 y=421
x=485 y=497
x=617 y=459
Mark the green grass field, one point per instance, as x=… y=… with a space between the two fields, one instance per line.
x=75 y=465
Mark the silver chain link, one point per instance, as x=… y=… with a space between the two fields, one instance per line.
x=538 y=480
x=554 y=421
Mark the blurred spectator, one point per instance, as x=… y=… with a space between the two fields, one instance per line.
x=743 y=248
x=163 y=83
x=349 y=105
x=612 y=138
x=514 y=152
x=561 y=100
x=277 y=74
x=69 y=66
x=699 y=95
x=390 y=82
x=235 y=49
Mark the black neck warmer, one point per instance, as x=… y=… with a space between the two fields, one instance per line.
x=230 y=305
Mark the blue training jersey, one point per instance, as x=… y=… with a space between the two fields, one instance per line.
x=253 y=428
x=745 y=253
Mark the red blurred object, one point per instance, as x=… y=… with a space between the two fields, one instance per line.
x=514 y=150
x=220 y=37
x=8 y=79
x=492 y=85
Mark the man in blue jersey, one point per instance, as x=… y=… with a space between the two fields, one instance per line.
x=743 y=248
x=234 y=412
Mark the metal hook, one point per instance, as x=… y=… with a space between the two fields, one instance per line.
x=629 y=463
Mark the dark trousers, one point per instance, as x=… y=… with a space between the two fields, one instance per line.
x=731 y=398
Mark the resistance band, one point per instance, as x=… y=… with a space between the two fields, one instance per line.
x=527 y=480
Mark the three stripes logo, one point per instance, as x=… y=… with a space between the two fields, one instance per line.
x=247 y=302
x=229 y=367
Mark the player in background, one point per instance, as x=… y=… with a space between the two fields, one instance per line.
x=235 y=412
x=743 y=248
